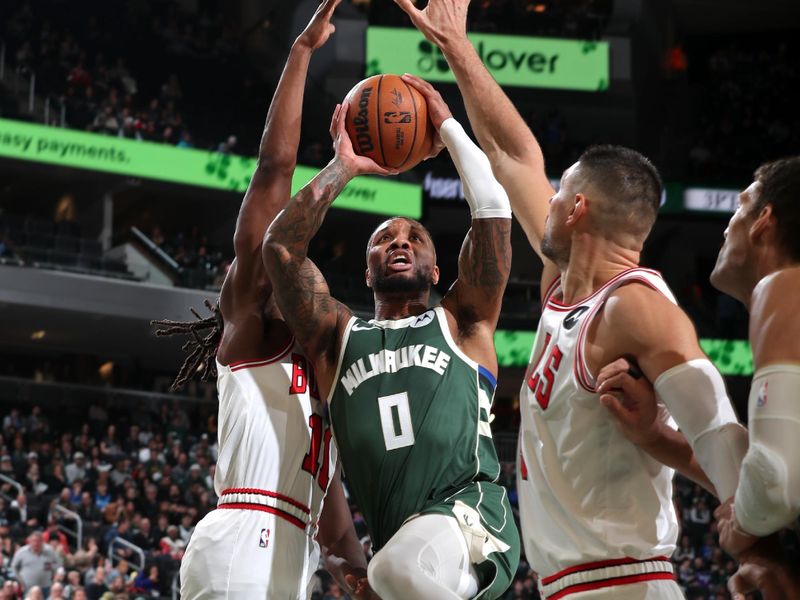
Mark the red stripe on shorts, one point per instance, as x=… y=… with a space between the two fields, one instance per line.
x=268 y=509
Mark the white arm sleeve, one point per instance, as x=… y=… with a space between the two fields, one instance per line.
x=768 y=496
x=695 y=395
x=486 y=197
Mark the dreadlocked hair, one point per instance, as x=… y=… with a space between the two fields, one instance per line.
x=201 y=346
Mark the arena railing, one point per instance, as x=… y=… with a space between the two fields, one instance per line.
x=14 y=483
x=77 y=533
x=118 y=541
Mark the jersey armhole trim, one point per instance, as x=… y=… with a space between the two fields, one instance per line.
x=259 y=362
x=550 y=289
x=448 y=337
x=488 y=376
x=580 y=366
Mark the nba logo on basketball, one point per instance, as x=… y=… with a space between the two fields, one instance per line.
x=263 y=540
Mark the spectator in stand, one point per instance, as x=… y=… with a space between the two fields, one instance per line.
x=172 y=544
x=56 y=592
x=228 y=145
x=77 y=469
x=35 y=563
x=35 y=593
x=97 y=587
x=21 y=516
x=87 y=511
x=147 y=582
x=52 y=533
x=73 y=583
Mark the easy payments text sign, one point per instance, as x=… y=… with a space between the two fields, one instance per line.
x=161 y=162
x=513 y=60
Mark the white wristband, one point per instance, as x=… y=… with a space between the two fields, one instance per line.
x=486 y=197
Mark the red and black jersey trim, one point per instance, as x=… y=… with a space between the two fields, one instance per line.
x=659 y=574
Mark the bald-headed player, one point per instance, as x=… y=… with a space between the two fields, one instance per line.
x=596 y=510
x=276 y=460
x=410 y=391
x=759 y=265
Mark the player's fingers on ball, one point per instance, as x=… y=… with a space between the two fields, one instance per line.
x=342 y=118
x=335 y=117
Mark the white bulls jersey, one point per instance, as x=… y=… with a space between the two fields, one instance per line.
x=276 y=460
x=275 y=445
x=587 y=496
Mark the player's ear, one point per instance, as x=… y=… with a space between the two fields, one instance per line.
x=578 y=210
x=367 y=278
x=435 y=274
x=765 y=222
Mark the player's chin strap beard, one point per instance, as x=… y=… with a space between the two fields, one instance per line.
x=420 y=282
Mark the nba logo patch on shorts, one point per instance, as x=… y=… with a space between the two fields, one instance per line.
x=263 y=539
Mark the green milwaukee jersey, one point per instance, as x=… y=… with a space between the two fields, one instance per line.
x=410 y=413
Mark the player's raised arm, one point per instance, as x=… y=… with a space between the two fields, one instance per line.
x=270 y=186
x=301 y=291
x=484 y=263
x=513 y=151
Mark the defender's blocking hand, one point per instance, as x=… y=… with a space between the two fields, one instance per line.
x=441 y=21
x=319 y=28
x=630 y=398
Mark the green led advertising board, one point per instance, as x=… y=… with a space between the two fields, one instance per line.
x=534 y=62
x=731 y=357
x=161 y=162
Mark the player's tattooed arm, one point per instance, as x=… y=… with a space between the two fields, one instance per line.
x=300 y=289
x=476 y=297
x=483 y=269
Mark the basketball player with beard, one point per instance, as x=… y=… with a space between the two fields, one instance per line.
x=759 y=265
x=410 y=391
x=276 y=464
x=596 y=510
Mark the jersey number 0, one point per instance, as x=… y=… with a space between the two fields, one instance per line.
x=398 y=431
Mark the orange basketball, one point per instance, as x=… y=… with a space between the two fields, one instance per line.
x=388 y=122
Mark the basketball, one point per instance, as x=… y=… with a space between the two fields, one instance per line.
x=388 y=122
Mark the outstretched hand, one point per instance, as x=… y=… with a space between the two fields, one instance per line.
x=441 y=21
x=319 y=28
x=361 y=588
x=630 y=398
x=343 y=147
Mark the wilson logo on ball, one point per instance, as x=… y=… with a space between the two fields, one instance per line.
x=361 y=123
